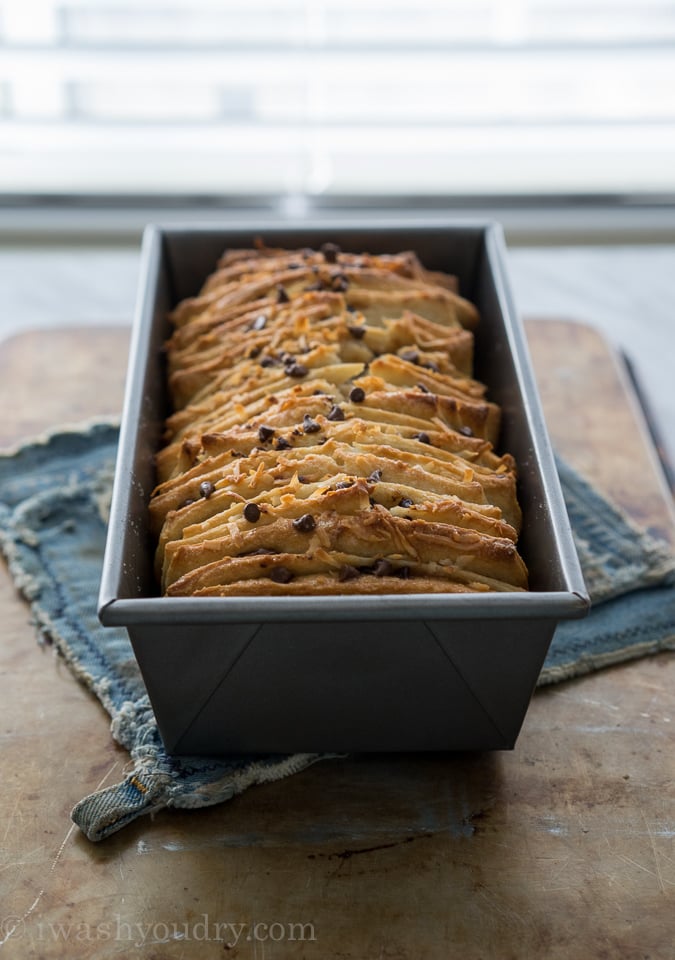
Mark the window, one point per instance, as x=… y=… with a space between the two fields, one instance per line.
x=336 y=97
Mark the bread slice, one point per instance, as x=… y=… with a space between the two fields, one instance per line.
x=328 y=437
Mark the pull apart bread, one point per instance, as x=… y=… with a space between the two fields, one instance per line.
x=328 y=436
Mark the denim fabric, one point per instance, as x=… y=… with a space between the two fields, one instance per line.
x=630 y=577
x=54 y=496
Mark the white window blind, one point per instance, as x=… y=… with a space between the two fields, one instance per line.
x=501 y=97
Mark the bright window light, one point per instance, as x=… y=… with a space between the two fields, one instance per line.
x=335 y=97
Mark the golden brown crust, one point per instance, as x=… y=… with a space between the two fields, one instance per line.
x=371 y=534
x=331 y=585
x=317 y=319
x=328 y=436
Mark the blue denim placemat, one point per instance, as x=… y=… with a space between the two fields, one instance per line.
x=54 y=496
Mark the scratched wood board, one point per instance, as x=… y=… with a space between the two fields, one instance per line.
x=563 y=848
x=596 y=421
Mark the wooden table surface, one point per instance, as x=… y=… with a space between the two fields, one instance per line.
x=563 y=848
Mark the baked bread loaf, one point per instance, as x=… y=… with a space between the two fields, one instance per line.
x=328 y=437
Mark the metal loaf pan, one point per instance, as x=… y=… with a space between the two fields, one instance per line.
x=348 y=674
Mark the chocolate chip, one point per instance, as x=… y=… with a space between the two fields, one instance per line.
x=260 y=322
x=265 y=433
x=280 y=575
x=411 y=356
x=467 y=431
x=254 y=352
x=267 y=362
x=375 y=476
x=357 y=395
x=430 y=365
x=252 y=512
x=330 y=252
x=186 y=503
x=357 y=332
x=348 y=573
x=405 y=502
x=382 y=568
x=296 y=370
x=302 y=479
x=309 y=425
x=343 y=484
x=206 y=488
x=422 y=437
x=305 y=524
x=340 y=284
x=282 y=296
x=420 y=386
x=282 y=444
x=335 y=413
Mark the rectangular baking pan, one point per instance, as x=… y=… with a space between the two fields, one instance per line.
x=282 y=674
